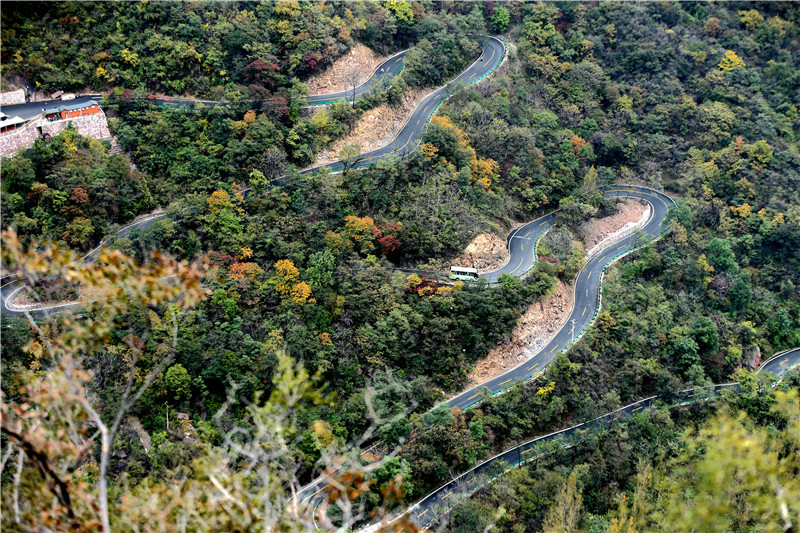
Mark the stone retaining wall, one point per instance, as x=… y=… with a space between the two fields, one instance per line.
x=12 y=97
x=18 y=139
x=89 y=126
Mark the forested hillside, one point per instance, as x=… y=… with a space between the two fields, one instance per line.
x=293 y=341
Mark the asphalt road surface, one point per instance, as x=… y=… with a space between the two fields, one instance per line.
x=587 y=287
x=445 y=497
x=11 y=286
x=381 y=76
x=409 y=137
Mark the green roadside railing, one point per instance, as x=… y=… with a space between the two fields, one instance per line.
x=565 y=437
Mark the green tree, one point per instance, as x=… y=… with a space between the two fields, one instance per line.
x=500 y=19
x=721 y=256
x=178 y=382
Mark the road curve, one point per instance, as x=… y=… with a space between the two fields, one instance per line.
x=522 y=248
x=11 y=286
x=409 y=137
x=440 y=501
x=384 y=72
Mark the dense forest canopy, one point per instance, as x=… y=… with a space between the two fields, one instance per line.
x=300 y=280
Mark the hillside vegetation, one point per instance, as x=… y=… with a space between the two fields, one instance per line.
x=283 y=333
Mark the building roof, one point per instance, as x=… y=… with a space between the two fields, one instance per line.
x=12 y=121
x=73 y=107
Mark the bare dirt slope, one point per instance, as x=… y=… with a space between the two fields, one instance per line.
x=597 y=230
x=539 y=324
x=360 y=60
x=533 y=331
x=486 y=252
x=376 y=128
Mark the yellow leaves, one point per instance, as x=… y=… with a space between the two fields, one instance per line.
x=287 y=8
x=485 y=183
x=547 y=389
x=705 y=269
x=357 y=228
x=218 y=201
x=250 y=116
x=743 y=210
x=730 y=62
x=444 y=292
x=102 y=73
x=447 y=124
x=287 y=282
x=484 y=171
x=245 y=252
x=129 y=57
x=764 y=215
x=300 y=292
x=325 y=339
x=429 y=150
x=413 y=281
x=287 y=276
x=284 y=27
x=679 y=235
x=751 y=19
x=611 y=33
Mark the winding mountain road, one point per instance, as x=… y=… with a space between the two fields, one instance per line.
x=522 y=252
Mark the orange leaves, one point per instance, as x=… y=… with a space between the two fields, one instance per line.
x=251 y=271
x=325 y=338
x=577 y=143
x=447 y=124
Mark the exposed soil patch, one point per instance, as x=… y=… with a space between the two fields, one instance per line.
x=534 y=330
x=376 y=128
x=603 y=231
x=486 y=252
x=539 y=324
x=360 y=61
